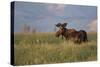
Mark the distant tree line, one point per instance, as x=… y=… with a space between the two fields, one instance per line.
x=27 y=29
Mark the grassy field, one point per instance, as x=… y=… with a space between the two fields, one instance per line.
x=45 y=48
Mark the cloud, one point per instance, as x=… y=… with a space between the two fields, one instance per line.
x=57 y=9
x=78 y=21
x=93 y=25
x=41 y=17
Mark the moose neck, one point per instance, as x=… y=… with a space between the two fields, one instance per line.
x=64 y=32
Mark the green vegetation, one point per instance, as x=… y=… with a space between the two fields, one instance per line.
x=45 y=48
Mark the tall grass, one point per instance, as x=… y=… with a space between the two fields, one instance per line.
x=45 y=48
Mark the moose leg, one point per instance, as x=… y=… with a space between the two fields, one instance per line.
x=62 y=36
x=78 y=39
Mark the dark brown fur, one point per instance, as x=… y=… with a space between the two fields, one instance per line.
x=76 y=36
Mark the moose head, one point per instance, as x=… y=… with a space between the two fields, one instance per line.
x=61 y=30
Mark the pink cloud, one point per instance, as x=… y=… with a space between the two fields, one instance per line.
x=56 y=9
x=93 y=25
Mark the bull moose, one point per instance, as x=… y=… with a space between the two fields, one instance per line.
x=76 y=36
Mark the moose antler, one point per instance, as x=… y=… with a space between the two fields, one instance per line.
x=64 y=25
x=59 y=24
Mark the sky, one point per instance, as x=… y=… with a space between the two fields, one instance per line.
x=44 y=16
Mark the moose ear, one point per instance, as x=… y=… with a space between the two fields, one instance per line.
x=58 y=25
x=64 y=24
